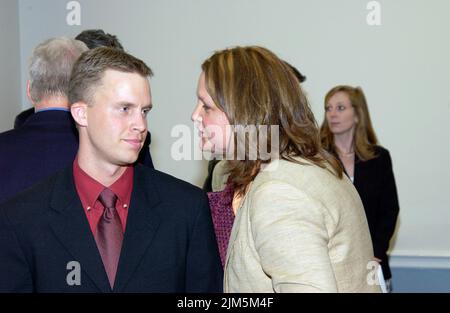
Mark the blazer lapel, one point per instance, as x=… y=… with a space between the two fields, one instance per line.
x=142 y=224
x=359 y=167
x=71 y=227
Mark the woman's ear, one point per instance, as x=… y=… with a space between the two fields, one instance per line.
x=79 y=113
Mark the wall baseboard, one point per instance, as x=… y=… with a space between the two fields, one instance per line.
x=425 y=274
x=431 y=262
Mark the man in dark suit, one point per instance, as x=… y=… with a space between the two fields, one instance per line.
x=48 y=140
x=94 y=38
x=103 y=224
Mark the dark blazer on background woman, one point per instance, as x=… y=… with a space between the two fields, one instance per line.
x=375 y=182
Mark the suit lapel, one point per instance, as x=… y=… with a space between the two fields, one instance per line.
x=359 y=167
x=142 y=224
x=71 y=227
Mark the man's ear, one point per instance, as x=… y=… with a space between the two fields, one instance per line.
x=79 y=113
x=28 y=92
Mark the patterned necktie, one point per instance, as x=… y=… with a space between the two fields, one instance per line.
x=109 y=235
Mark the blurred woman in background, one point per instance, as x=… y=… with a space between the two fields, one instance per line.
x=347 y=133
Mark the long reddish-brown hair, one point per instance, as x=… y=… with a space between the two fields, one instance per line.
x=254 y=87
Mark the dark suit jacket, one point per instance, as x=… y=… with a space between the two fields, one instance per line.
x=374 y=180
x=22 y=117
x=46 y=143
x=144 y=156
x=169 y=243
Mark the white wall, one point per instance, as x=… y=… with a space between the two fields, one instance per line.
x=9 y=63
x=402 y=65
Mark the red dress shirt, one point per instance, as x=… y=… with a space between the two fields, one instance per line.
x=89 y=190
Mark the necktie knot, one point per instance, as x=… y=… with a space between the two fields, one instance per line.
x=108 y=198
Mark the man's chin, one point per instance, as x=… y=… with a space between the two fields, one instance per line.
x=128 y=161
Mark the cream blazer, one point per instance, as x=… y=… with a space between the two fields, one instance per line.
x=298 y=229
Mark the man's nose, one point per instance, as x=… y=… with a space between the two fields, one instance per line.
x=140 y=123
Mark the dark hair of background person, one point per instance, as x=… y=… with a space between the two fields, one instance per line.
x=301 y=78
x=94 y=38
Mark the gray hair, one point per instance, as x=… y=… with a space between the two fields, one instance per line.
x=50 y=67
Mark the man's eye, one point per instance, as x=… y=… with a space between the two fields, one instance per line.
x=125 y=109
x=145 y=111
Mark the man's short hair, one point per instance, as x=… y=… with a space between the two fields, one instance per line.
x=94 y=38
x=50 y=67
x=90 y=68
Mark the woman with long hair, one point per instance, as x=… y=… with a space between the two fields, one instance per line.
x=297 y=225
x=348 y=134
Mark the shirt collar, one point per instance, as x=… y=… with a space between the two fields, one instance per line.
x=89 y=189
x=52 y=109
